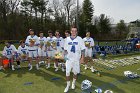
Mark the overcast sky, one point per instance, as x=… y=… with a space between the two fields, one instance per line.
x=129 y=10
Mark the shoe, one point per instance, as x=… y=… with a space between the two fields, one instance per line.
x=13 y=68
x=47 y=67
x=92 y=70
x=66 y=89
x=56 y=69
x=86 y=68
x=63 y=70
x=30 y=67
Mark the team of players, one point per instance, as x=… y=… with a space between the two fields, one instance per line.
x=43 y=49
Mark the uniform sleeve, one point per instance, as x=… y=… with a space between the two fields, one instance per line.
x=19 y=50
x=14 y=49
x=27 y=41
x=4 y=51
x=92 y=42
x=66 y=44
x=62 y=42
x=37 y=40
x=82 y=44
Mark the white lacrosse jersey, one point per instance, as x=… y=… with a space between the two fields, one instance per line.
x=42 y=39
x=89 y=40
x=74 y=47
x=8 y=51
x=51 y=39
x=22 y=50
x=27 y=42
x=60 y=42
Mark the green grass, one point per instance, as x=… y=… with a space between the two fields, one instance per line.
x=13 y=81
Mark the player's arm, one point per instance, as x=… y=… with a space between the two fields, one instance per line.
x=62 y=43
x=4 y=52
x=37 y=41
x=27 y=41
x=65 y=49
x=82 y=51
x=19 y=51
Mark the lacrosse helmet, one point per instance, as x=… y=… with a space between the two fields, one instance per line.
x=108 y=91
x=86 y=84
x=130 y=74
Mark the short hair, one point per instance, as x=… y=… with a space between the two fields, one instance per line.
x=57 y=31
x=22 y=41
x=31 y=30
x=40 y=32
x=50 y=31
x=67 y=31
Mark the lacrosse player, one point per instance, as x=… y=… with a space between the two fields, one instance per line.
x=74 y=48
x=32 y=42
x=42 y=52
x=60 y=48
x=51 y=48
x=22 y=53
x=89 y=43
x=9 y=53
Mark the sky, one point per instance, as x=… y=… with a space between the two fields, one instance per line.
x=128 y=10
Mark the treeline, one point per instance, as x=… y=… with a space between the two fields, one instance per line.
x=17 y=16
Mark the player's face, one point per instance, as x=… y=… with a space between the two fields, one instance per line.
x=73 y=31
x=31 y=32
x=41 y=35
x=88 y=34
x=57 y=34
x=67 y=34
x=22 y=44
x=50 y=34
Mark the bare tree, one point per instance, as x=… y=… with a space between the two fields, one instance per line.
x=68 y=5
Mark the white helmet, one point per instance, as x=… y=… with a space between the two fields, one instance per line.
x=86 y=84
x=130 y=74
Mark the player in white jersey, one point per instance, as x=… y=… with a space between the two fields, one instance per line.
x=89 y=43
x=42 y=52
x=74 y=51
x=59 y=47
x=32 y=42
x=22 y=53
x=67 y=34
x=9 y=53
x=51 y=48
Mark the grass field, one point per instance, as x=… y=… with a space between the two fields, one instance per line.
x=43 y=81
x=49 y=81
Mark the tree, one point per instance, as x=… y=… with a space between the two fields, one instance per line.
x=121 y=29
x=68 y=4
x=104 y=24
x=87 y=12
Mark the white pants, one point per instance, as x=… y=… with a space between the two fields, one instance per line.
x=51 y=53
x=33 y=53
x=88 y=52
x=41 y=52
x=73 y=66
x=59 y=49
x=9 y=56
